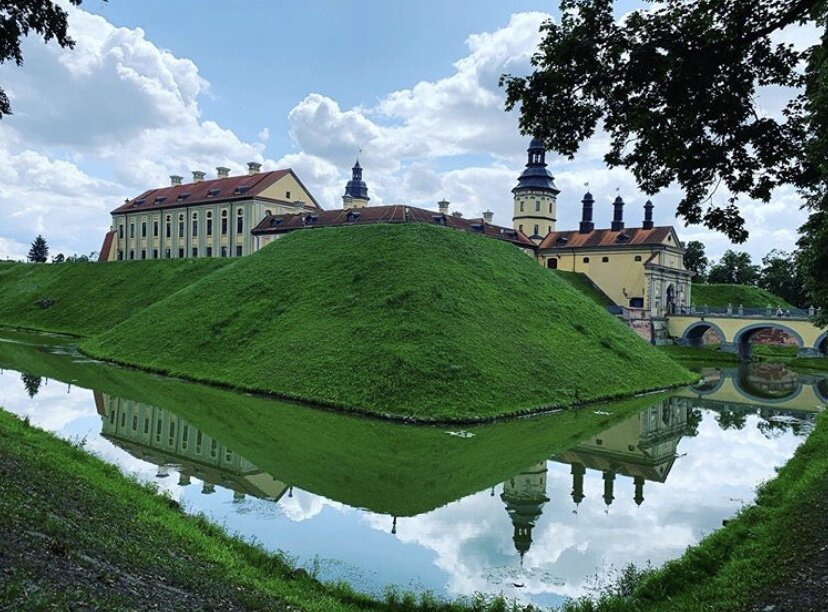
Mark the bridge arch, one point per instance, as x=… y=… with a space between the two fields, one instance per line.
x=744 y=335
x=821 y=344
x=746 y=387
x=694 y=334
x=821 y=390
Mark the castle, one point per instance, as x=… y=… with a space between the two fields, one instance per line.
x=639 y=269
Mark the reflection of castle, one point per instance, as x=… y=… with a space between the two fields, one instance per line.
x=160 y=437
x=642 y=448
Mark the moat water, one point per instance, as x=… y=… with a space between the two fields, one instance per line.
x=537 y=509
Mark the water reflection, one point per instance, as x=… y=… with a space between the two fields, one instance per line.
x=531 y=508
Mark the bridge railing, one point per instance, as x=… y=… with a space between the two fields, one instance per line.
x=769 y=312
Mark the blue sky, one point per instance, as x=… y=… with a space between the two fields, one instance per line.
x=156 y=88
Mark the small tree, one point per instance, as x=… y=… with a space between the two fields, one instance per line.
x=59 y=258
x=734 y=269
x=695 y=260
x=39 y=253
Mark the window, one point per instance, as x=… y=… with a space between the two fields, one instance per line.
x=224 y=223
x=224 y=251
x=121 y=231
x=605 y=259
x=209 y=224
x=132 y=230
x=637 y=302
x=552 y=263
x=238 y=251
x=268 y=213
x=167 y=228
x=586 y=259
x=638 y=257
x=144 y=229
x=537 y=206
x=548 y=228
x=146 y=425
x=181 y=226
x=155 y=229
x=167 y=254
x=209 y=252
x=520 y=227
x=134 y=422
x=521 y=207
x=180 y=253
x=240 y=221
x=155 y=253
x=195 y=225
x=536 y=231
x=120 y=254
x=287 y=195
x=143 y=253
x=195 y=251
x=132 y=254
x=550 y=208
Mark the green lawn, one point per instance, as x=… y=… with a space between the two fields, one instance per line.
x=410 y=321
x=86 y=298
x=748 y=296
x=582 y=283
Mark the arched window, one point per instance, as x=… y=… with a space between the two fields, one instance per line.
x=605 y=259
x=268 y=213
x=239 y=221
x=168 y=224
x=521 y=207
x=224 y=223
x=550 y=208
x=209 y=223
x=195 y=225
x=181 y=226
x=586 y=259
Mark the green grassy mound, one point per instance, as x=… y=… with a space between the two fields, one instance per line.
x=85 y=298
x=408 y=321
x=746 y=295
x=582 y=283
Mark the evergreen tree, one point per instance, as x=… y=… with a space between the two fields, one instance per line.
x=696 y=261
x=39 y=252
x=31 y=383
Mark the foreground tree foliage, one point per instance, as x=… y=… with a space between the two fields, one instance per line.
x=675 y=88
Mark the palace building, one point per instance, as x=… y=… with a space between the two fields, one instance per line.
x=640 y=269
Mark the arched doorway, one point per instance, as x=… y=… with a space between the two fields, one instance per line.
x=670 y=299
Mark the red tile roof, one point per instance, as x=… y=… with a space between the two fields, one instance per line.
x=397 y=213
x=103 y=255
x=598 y=238
x=231 y=188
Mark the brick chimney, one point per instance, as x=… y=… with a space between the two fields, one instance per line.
x=175 y=180
x=222 y=172
x=444 y=206
x=198 y=176
x=253 y=167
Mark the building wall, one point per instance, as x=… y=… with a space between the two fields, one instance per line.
x=533 y=208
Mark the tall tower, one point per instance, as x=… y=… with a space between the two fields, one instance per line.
x=356 y=191
x=524 y=496
x=536 y=196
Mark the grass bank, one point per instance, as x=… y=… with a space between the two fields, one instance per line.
x=83 y=299
x=405 y=321
x=720 y=295
x=77 y=534
x=772 y=552
x=688 y=354
x=582 y=283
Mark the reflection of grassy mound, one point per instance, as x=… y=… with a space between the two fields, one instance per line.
x=86 y=298
x=385 y=467
x=745 y=295
x=407 y=320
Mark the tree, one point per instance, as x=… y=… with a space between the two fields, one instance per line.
x=695 y=260
x=675 y=87
x=781 y=276
x=734 y=269
x=31 y=383
x=59 y=258
x=20 y=18
x=39 y=252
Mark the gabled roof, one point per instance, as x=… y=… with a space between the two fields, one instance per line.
x=602 y=238
x=397 y=213
x=106 y=248
x=232 y=188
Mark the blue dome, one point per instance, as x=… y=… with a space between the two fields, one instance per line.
x=536 y=143
x=356 y=187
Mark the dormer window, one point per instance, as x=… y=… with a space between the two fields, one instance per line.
x=561 y=240
x=241 y=189
x=160 y=199
x=213 y=193
x=139 y=202
x=352 y=216
x=622 y=237
x=439 y=219
x=183 y=196
x=274 y=221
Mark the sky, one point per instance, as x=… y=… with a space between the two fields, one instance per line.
x=155 y=88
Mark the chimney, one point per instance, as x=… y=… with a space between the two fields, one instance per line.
x=175 y=180
x=648 y=215
x=587 y=225
x=488 y=216
x=198 y=176
x=444 y=206
x=222 y=172
x=253 y=167
x=618 y=215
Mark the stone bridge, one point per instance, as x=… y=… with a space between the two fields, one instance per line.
x=736 y=330
x=738 y=386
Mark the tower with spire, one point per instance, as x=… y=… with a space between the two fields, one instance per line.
x=535 y=196
x=524 y=496
x=356 y=191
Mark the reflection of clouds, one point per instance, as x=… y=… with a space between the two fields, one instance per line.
x=41 y=409
x=304 y=506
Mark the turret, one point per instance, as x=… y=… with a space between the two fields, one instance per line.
x=648 y=215
x=587 y=225
x=578 y=471
x=638 y=498
x=356 y=191
x=524 y=496
x=609 y=481
x=535 y=196
x=618 y=215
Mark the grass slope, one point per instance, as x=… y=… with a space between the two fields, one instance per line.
x=89 y=298
x=720 y=295
x=582 y=283
x=776 y=541
x=409 y=321
x=76 y=534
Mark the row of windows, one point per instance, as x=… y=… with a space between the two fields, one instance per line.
x=537 y=229
x=586 y=260
x=537 y=207
x=185 y=434
x=208 y=252
x=195 y=226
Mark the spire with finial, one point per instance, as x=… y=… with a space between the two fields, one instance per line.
x=356 y=191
